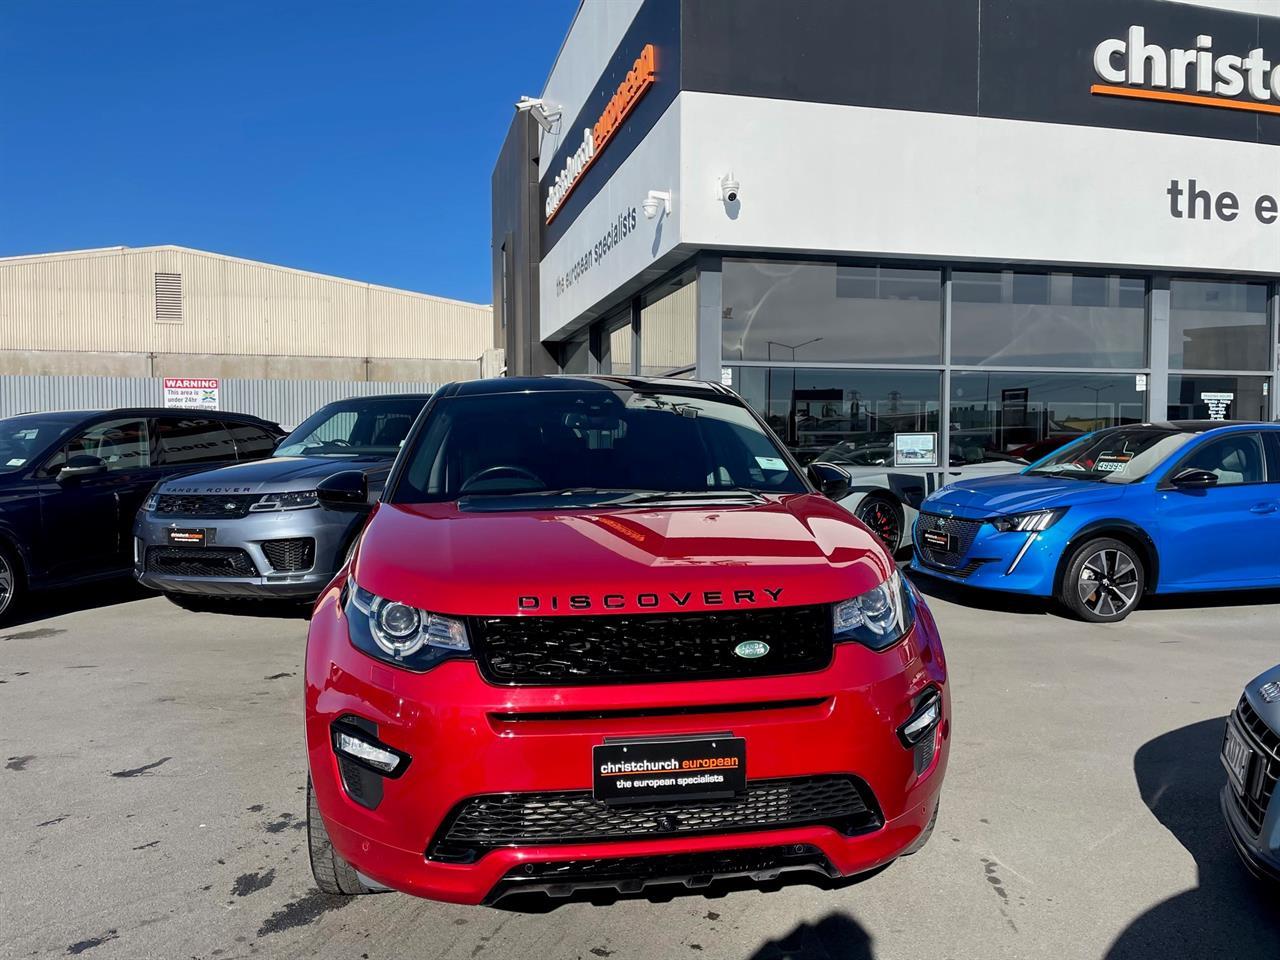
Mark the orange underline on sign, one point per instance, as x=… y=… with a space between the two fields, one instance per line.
x=1139 y=93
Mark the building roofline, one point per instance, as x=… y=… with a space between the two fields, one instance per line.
x=109 y=251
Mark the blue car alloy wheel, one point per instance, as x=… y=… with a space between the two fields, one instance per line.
x=1098 y=524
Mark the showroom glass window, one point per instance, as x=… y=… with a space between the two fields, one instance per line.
x=1200 y=397
x=619 y=342
x=575 y=355
x=1017 y=319
x=787 y=311
x=849 y=416
x=669 y=328
x=999 y=416
x=1218 y=325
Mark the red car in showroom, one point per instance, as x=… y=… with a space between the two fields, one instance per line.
x=605 y=632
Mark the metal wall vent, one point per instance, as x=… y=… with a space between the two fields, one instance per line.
x=168 y=298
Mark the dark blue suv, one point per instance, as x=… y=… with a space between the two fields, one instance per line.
x=71 y=483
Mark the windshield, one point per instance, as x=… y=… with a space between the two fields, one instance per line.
x=1114 y=456
x=563 y=448
x=365 y=427
x=23 y=438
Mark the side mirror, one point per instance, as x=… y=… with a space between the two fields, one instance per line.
x=348 y=490
x=81 y=465
x=831 y=481
x=1191 y=478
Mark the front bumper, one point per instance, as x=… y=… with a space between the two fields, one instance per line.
x=1014 y=562
x=1261 y=862
x=468 y=738
x=331 y=530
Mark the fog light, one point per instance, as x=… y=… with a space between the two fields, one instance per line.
x=368 y=752
x=923 y=721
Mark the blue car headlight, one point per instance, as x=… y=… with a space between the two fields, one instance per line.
x=878 y=618
x=1033 y=522
x=401 y=634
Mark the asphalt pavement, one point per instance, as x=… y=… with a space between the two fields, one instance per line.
x=153 y=776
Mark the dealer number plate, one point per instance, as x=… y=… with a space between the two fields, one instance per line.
x=938 y=540
x=674 y=768
x=188 y=537
x=1236 y=756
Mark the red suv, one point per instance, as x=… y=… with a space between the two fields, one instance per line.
x=604 y=632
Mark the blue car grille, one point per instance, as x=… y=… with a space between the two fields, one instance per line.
x=962 y=532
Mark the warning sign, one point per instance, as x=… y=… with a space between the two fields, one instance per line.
x=191 y=393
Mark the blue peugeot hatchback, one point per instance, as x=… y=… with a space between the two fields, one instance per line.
x=1146 y=508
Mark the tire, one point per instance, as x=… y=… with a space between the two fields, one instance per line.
x=1103 y=582
x=882 y=515
x=13 y=593
x=921 y=840
x=333 y=874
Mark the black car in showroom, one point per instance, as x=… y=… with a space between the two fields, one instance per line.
x=71 y=483
x=261 y=529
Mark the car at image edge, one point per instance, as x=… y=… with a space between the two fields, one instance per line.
x=260 y=529
x=1174 y=507
x=1251 y=756
x=604 y=632
x=72 y=481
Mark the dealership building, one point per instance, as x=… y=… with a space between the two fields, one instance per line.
x=992 y=221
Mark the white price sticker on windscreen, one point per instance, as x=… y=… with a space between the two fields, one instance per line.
x=771 y=463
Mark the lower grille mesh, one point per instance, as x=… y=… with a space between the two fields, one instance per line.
x=532 y=819
x=200 y=562
x=290 y=556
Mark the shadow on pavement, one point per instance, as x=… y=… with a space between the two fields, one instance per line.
x=834 y=937
x=1228 y=914
x=1218 y=598
x=243 y=606
x=665 y=893
x=45 y=604
x=979 y=599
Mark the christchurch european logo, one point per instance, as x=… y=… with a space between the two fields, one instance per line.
x=1148 y=71
x=594 y=138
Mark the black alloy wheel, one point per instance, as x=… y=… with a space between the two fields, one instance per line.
x=1103 y=582
x=884 y=518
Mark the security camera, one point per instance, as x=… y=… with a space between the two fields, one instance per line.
x=729 y=188
x=657 y=200
x=546 y=117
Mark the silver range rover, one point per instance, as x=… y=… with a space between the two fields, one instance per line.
x=1251 y=754
x=263 y=529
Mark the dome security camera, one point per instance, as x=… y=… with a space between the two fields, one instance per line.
x=657 y=201
x=729 y=188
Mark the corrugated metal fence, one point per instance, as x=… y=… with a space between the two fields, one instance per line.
x=284 y=401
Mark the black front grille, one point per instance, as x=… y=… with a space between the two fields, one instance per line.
x=1265 y=769
x=289 y=556
x=964 y=532
x=209 y=505
x=200 y=562
x=632 y=874
x=534 y=819
x=651 y=647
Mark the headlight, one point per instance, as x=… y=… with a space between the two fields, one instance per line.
x=401 y=634
x=879 y=618
x=1028 y=522
x=296 y=500
x=149 y=505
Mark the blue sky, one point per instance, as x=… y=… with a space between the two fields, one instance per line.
x=354 y=138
